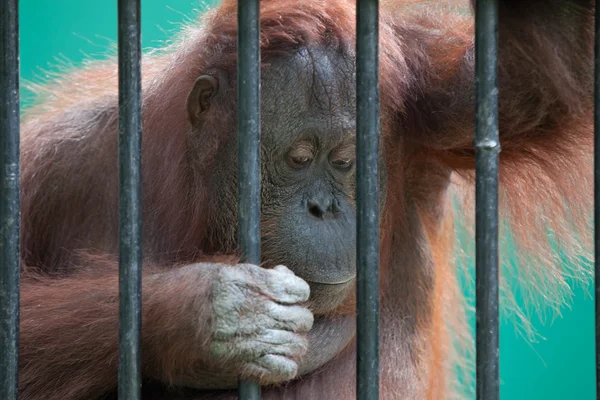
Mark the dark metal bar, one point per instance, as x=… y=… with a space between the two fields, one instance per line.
x=487 y=148
x=10 y=216
x=367 y=193
x=597 y=191
x=249 y=145
x=130 y=199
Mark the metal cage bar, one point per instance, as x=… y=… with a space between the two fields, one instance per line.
x=9 y=199
x=367 y=196
x=597 y=191
x=487 y=148
x=130 y=199
x=248 y=82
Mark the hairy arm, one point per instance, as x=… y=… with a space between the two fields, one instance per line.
x=545 y=84
x=69 y=330
x=204 y=325
x=544 y=72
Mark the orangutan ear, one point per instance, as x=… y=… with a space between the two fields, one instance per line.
x=198 y=101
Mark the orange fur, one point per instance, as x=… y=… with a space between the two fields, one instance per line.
x=426 y=75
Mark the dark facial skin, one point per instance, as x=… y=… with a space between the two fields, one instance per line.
x=308 y=170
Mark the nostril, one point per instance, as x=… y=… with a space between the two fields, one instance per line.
x=315 y=210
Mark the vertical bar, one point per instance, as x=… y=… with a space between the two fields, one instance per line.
x=487 y=148
x=9 y=199
x=367 y=192
x=130 y=195
x=249 y=146
x=597 y=190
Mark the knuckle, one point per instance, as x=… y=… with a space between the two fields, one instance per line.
x=220 y=349
x=224 y=331
x=253 y=270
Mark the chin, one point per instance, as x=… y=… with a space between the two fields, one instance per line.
x=326 y=297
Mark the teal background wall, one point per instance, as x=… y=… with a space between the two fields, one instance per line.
x=560 y=365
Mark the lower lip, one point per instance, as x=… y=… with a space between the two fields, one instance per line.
x=333 y=283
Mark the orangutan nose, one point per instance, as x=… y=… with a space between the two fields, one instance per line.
x=323 y=206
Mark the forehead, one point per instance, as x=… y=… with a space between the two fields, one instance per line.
x=312 y=90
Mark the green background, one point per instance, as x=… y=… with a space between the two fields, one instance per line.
x=560 y=365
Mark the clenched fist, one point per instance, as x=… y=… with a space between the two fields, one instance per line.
x=259 y=321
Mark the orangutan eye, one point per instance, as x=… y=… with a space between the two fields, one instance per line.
x=342 y=163
x=300 y=162
x=300 y=157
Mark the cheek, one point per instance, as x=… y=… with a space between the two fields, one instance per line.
x=277 y=200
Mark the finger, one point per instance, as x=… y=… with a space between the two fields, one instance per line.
x=270 y=341
x=270 y=370
x=292 y=318
x=281 y=368
x=279 y=283
x=285 y=287
x=282 y=268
